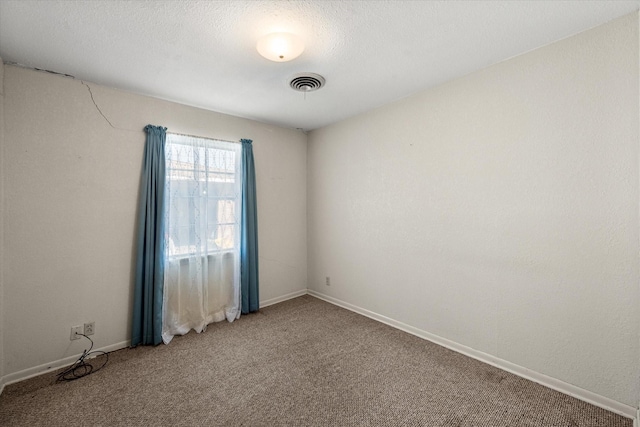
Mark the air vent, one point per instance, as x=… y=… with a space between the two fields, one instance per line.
x=306 y=82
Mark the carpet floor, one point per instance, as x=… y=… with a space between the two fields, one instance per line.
x=302 y=362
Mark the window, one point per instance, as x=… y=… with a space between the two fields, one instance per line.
x=203 y=198
x=203 y=195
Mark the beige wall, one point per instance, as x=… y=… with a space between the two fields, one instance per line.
x=2 y=159
x=498 y=211
x=71 y=187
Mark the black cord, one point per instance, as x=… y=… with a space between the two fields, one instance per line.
x=80 y=368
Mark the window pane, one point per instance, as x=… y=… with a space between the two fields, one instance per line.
x=203 y=195
x=225 y=236
x=226 y=212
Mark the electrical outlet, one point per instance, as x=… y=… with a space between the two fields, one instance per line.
x=90 y=328
x=75 y=330
x=327 y=281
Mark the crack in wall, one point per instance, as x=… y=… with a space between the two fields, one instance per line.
x=74 y=78
x=96 y=105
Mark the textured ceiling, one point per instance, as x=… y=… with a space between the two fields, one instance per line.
x=202 y=53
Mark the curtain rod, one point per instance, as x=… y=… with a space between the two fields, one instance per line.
x=203 y=137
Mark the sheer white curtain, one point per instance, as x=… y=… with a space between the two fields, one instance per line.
x=203 y=215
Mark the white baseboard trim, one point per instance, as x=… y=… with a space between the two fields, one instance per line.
x=51 y=366
x=282 y=298
x=48 y=367
x=553 y=383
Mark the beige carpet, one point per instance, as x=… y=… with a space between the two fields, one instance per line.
x=303 y=362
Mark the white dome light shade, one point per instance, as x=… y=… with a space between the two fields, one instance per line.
x=280 y=47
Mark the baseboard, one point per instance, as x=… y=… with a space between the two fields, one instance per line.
x=553 y=383
x=282 y=298
x=51 y=366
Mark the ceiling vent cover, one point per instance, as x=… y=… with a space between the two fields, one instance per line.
x=306 y=82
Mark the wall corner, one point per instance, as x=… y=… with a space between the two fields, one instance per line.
x=2 y=214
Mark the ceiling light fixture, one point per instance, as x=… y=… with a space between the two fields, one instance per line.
x=280 y=47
